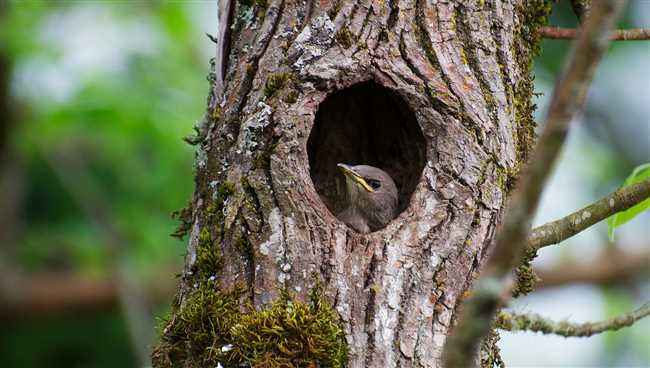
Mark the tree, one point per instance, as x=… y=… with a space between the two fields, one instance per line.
x=439 y=95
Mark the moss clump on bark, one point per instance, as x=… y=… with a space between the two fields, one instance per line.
x=345 y=37
x=275 y=82
x=218 y=326
x=212 y=328
x=532 y=14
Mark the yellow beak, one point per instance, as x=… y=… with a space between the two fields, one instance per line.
x=350 y=173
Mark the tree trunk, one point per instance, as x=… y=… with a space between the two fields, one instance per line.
x=437 y=93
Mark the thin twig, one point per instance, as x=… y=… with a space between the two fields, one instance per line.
x=493 y=287
x=613 y=266
x=50 y=293
x=559 y=33
x=536 y=323
x=568 y=226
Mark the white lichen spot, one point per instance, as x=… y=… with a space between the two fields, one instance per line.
x=274 y=245
x=252 y=128
x=286 y=267
x=586 y=215
x=612 y=202
x=312 y=42
x=213 y=184
x=201 y=157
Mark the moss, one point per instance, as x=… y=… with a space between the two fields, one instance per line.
x=291 y=97
x=525 y=276
x=250 y=70
x=209 y=259
x=275 y=82
x=260 y=3
x=184 y=215
x=263 y=159
x=214 y=328
x=216 y=114
x=463 y=57
x=533 y=14
x=335 y=9
x=345 y=37
x=243 y=244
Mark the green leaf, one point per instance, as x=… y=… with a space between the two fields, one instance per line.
x=639 y=174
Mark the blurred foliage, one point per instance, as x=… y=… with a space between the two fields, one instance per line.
x=120 y=125
x=639 y=174
x=103 y=92
x=71 y=341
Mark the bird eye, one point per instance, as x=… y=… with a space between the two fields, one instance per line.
x=374 y=183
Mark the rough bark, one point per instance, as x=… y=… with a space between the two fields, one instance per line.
x=461 y=69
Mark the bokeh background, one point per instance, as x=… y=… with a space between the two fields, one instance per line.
x=95 y=98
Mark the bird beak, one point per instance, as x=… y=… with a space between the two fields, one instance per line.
x=350 y=173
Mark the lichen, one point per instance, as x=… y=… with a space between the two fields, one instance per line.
x=213 y=328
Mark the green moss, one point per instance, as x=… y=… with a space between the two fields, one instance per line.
x=209 y=259
x=216 y=114
x=275 y=82
x=213 y=327
x=263 y=159
x=533 y=14
x=335 y=9
x=184 y=215
x=463 y=57
x=526 y=279
x=345 y=37
x=291 y=97
x=250 y=70
x=260 y=3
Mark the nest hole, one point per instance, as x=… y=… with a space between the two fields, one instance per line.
x=365 y=124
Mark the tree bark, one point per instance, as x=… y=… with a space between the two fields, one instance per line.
x=462 y=70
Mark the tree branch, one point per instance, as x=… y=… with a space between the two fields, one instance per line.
x=568 y=226
x=599 y=271
x=46 y=293
x=559 y=33
x=534 y=322
x=493 y=287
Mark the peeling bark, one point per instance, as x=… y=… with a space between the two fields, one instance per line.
x=458 y=65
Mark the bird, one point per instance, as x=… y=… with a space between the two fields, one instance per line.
x=371 y=198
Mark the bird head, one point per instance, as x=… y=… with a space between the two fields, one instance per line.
x=371 y=194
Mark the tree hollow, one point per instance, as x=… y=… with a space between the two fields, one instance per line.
x=365 y=124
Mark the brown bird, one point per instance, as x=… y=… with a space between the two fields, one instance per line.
x=371 y=201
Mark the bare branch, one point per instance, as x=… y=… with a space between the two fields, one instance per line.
x=47 y=293
x=568 y=226
x=534 y=322
x=614 y=265
x=493 y=287
x=559 y=33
